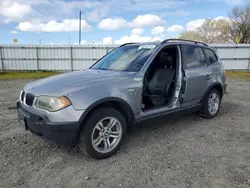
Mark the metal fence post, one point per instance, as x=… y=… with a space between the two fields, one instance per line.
x=37 y=59
x=107 y=49
x=71 y=58
x=1 y=54
x=248 y=66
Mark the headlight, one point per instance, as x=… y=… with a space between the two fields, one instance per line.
x=52 y=103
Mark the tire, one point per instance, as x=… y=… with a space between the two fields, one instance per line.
x=206 y=112
x=94 y=132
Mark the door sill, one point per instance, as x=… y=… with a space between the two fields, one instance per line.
x=183 y=111
x=169 y=104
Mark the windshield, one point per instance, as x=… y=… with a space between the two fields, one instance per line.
x=126 y=58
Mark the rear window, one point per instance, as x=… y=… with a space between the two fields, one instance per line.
x=211 y=56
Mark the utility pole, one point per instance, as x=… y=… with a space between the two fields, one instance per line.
x=69 y=40
x=80 y=27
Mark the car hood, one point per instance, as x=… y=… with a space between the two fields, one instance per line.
x=66 y=83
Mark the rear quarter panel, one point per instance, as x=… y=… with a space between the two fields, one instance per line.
x=218 y=73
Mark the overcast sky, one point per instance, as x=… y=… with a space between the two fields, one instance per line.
x=104 y=21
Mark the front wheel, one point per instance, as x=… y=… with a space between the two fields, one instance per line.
x=211 y=104
x=103 y=133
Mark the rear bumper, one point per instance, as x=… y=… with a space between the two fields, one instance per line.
x=60 y=133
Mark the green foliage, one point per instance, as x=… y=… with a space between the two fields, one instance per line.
x=240 y=24
x=235 y=29
x=192 y=35
x=211 y=31
x=215 y=31
x=233 y=74
x=25 y=75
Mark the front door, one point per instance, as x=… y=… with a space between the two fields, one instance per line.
x=196 y=74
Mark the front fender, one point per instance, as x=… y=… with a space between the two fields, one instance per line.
x=107 y=100
x=128 y=91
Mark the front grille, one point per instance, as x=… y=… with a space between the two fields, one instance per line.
x=22 y=96
x=29 y=99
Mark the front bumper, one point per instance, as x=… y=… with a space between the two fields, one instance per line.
x=60 y=133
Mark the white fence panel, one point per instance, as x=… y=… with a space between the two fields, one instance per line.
x=20 y=64
x=54 y=64
x=234 y=56
x=233 y=52
x=82 y=64
x=19 y=58
x=78 y=57
x=54 y=52
x=54 y=58
x=235 y=64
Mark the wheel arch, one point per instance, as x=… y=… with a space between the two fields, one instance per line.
x=114 y=102
x=217 y=86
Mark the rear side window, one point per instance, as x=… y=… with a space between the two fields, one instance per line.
x=193 y=57
x=211 y=56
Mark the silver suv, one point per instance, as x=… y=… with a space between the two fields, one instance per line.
x=94 y=108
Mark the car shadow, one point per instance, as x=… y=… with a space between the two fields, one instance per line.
x=169 y=126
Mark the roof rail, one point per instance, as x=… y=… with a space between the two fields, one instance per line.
x=184 y=40
x=127 y=43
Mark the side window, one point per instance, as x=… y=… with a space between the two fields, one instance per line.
x=203 y=57
x=211 y=56
x=193 y=57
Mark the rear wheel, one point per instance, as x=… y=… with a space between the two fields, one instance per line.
x=211 y=104
x=103 y=133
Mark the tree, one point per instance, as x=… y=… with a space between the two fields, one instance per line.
x=211 y=31
x=192 y=35
x=240 y=24
x=236 y=29
x=215 y=31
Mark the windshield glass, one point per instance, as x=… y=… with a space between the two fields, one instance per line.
x=126 y=58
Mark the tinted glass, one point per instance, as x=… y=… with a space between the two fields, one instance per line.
x=193 y=57
x=202 y=55
x=211 y=56
x=126 y=58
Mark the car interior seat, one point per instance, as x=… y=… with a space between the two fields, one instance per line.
x=161 y=81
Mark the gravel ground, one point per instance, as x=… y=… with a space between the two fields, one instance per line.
x=183 y=152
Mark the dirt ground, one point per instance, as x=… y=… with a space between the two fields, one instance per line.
x=188 y=151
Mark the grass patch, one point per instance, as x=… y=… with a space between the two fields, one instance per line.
x=242 y=75
x=44 y=74
x=25 y=75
